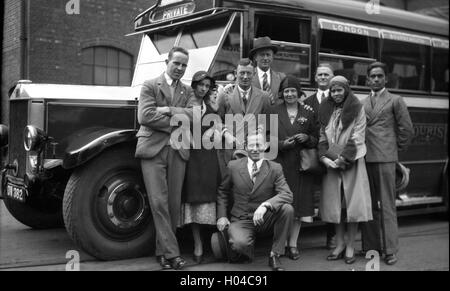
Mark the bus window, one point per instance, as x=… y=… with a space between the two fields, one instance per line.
x=439 y=74
x=202 y=34
x=283 y=28
x=229 y=54
x=293 y=59
x=294 y=53
x=164 y=40
x=349 y=54
x=407 y=64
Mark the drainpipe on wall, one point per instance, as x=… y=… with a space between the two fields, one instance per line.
x=24 y=40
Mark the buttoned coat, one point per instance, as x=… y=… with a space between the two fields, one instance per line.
x=238 y=193
x=231 y=103
x=354 y=180
x=389 y=128
x=300 y=183
x=155 y=129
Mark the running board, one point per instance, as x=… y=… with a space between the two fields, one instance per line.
x=405 y=200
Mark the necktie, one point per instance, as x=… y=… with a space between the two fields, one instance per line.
x=373 y=99
x=172 y=89
x=322 y=97
x=244 y=99
x=265 y=83
x=254 y=172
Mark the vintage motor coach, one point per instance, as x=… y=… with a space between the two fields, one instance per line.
x=68 y=151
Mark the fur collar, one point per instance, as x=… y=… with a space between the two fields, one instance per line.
x=352 y=107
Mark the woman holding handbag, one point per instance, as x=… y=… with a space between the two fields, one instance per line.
x=345 y=187
x=296 y=131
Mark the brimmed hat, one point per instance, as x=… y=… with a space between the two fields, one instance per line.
x=292 y=82
x=200 y=76
x=220 y=245
x=262 y=43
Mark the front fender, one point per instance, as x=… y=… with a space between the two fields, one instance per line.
x=88 y=146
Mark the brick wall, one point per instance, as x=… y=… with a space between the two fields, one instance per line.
x=11 y=53
x=57 y=38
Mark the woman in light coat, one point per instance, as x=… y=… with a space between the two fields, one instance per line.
x=345 y=187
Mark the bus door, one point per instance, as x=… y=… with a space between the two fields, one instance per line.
x=213 y=42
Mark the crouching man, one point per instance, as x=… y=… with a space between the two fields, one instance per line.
x=260 y=202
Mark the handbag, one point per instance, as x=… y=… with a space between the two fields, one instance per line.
x=309 y=161
x=334 y=151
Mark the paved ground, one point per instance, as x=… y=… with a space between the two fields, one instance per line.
x=424 y=245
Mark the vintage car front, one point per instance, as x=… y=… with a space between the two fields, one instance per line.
x=68 y=160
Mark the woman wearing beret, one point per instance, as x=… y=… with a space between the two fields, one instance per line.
x=296 y=130
x=345 y=193
x=202 y=170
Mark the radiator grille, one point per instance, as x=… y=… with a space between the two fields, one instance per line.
x=18 y=119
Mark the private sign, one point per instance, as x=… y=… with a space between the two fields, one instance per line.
x=176 y=12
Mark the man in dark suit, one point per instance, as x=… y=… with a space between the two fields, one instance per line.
x=260 y=201
x=389 y=130
x=245 y=100
x=162 y=160
x=324 y=74
x=266 y=79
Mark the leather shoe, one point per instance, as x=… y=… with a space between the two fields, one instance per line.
x=292 y=253
x=390 y=259
x=350 y=260
x=198 y=259
x=165 y=264
x=275 y=264
x=334 y=257
x=177 y=263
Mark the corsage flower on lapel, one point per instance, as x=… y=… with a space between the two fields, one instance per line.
x=302 y=120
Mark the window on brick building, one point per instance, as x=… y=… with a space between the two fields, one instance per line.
x=106 y=66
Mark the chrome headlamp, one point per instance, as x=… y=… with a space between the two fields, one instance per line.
x=34 y=139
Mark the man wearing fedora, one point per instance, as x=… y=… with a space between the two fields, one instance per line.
x=260 y=200
x=266 y=79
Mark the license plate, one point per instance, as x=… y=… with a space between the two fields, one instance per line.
x=16 y=193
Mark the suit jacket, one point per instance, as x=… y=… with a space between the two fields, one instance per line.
x=314 y=103
x=389 y=127
x=238 y=189
x=259 y=103
x=155 y=129
x=275 y=83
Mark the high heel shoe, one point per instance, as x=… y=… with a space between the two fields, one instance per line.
x=350 y=260
x=334 y=257
x=292 y=253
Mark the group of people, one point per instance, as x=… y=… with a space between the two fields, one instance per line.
x=244 y=195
